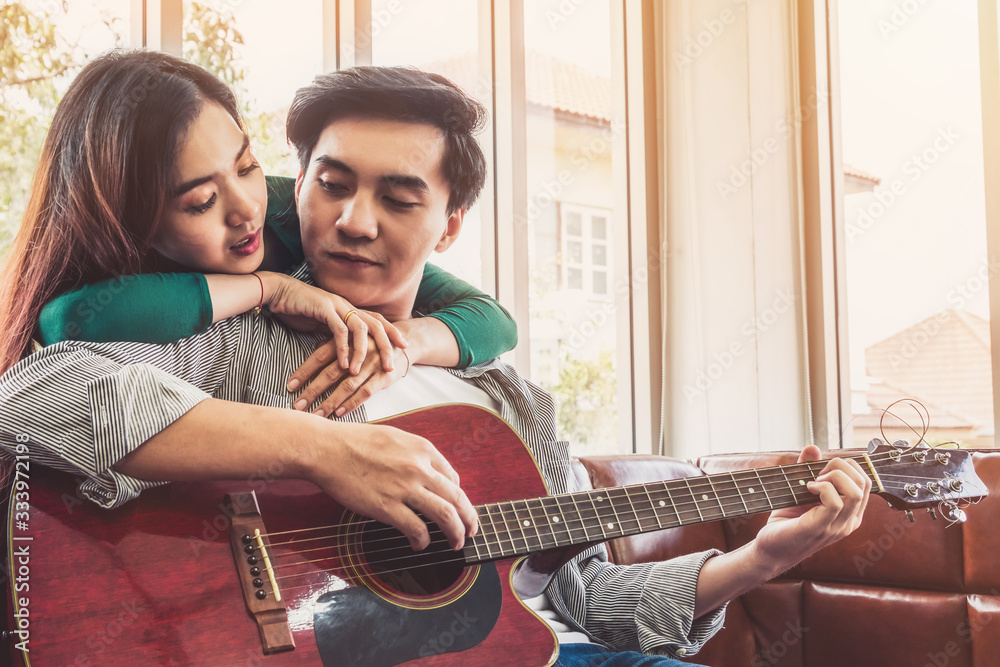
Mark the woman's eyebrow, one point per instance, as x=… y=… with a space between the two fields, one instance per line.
x=195 y=182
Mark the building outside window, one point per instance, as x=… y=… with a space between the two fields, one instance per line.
x=915 y=222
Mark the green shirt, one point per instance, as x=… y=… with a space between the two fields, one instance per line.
x=165 y=307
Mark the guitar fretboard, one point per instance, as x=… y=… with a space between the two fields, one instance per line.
x=522 y=527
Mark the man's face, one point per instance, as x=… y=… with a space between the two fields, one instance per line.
x=373 y=205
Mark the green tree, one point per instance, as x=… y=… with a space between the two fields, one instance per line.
x=32 y=59
x=586 y=402
x=213 y=40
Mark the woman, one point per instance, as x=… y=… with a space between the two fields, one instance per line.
x=109 y=232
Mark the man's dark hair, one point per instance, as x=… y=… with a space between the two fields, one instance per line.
x=400 y=94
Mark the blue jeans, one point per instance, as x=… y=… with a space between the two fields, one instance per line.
x=594 y=655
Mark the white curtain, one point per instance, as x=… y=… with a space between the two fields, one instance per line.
x=728 y=113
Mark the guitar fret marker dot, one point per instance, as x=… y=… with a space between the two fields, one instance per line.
x=750 y=489
x=802 y=482
x=600 y=499
x=555 y=519
x=527 y=523
x=662 y=504
x=704 y=496
x=611 y=525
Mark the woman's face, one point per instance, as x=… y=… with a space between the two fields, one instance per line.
x=213 y=217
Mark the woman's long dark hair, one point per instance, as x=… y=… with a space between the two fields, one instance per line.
x=101 y=182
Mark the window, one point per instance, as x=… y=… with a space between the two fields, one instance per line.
x=915 y=221
x=556 y=68
x=572 y=223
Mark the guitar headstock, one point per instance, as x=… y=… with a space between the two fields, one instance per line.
x=920 y=476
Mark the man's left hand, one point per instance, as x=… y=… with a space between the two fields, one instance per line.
x=792 y=534
x=351 y=390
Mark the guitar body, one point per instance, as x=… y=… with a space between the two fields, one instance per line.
x=155 y=582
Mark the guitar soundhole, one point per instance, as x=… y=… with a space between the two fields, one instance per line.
x=400 y=568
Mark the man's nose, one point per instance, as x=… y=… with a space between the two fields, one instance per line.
x=358 y=219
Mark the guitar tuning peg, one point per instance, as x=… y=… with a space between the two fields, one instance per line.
x=909 y=515
x=930 y=510
x=956 y=514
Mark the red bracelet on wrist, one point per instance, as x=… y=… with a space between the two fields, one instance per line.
x=261 y=304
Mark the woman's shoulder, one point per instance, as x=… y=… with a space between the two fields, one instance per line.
x=282 y=217
x=280 y=197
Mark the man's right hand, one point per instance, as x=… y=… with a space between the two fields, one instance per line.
x=378 y=471
x=388 y=475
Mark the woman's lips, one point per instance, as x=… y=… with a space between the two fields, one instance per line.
x=247 y=245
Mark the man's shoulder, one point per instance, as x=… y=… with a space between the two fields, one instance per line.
x=519 y=393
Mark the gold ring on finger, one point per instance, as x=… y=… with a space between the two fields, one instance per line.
x=348 y=315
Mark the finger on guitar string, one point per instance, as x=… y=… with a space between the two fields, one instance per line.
x=436 y=508
x=842 y=500
x=465 y=509
x=459 y=511
x=385 y=473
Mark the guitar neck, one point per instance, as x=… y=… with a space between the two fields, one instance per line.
x=522 y=527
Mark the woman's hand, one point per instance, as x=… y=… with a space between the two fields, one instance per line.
x=352 y=390
x=303 y=307
x=431 y=343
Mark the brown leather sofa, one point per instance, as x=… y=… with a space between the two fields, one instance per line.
x=894 y=593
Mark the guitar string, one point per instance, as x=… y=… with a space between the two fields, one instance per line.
x=641 y=517
x=803 y=464
x=698 y=482
x=624 y=493
x=611 y=493
x=646 y=515
x=384 y=561
x=642 y=514
x=701 y=482
x=638 y=519
x=922 y=413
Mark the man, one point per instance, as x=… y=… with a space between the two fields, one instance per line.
x=389 y=165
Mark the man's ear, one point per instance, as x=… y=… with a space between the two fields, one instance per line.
x=451 y=230
x=298 y=186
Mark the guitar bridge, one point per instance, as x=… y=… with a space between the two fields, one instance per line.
x=253 y=568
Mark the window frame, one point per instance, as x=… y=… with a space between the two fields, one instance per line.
x=346 y=25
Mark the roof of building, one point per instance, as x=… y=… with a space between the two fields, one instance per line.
x=880 y=395
x=944 y=361
x=854 y=172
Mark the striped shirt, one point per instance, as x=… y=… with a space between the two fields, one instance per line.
x=84 y=406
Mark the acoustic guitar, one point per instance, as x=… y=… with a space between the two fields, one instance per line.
x=274 y=572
